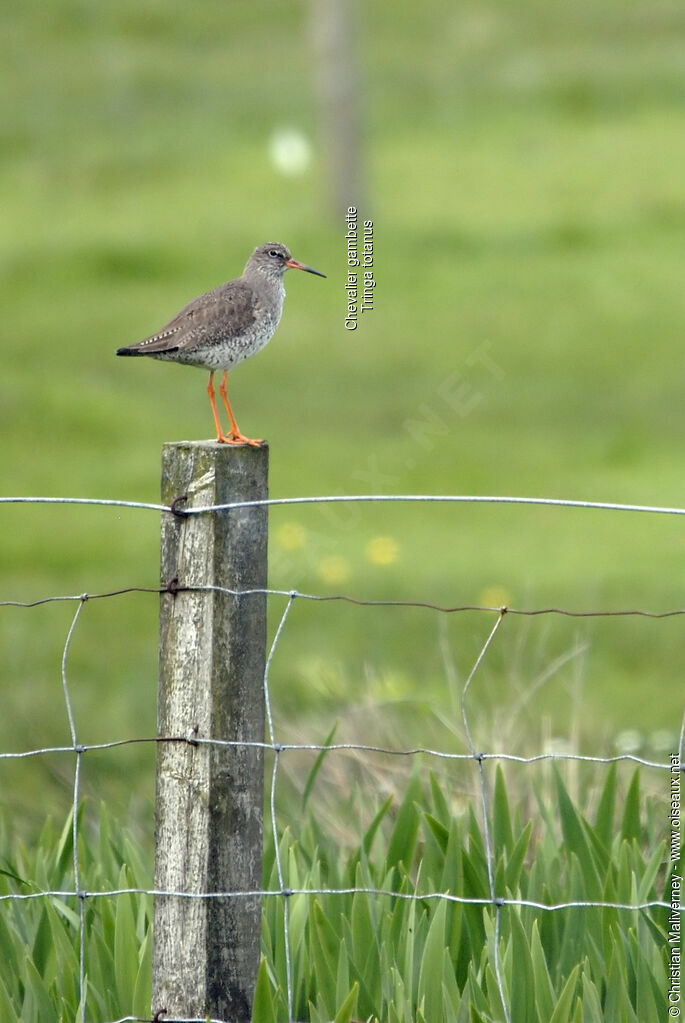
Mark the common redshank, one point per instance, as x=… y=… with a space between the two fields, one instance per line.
x=227 y=325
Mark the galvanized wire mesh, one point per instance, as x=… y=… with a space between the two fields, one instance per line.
x=495 y=617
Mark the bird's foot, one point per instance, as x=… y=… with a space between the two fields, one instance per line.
x=238 y=440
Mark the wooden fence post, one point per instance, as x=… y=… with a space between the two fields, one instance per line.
x=209 y=803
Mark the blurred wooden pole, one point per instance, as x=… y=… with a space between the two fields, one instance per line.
x=338 y=89
x=209 y=804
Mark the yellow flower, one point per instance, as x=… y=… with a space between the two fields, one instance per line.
x=291 y=536
x=334 y=569
x=382 y=550
x=494 y=596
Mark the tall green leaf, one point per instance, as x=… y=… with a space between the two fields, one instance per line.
x=604 y=819
x=544 y=991
x=344 y=1013
x=562 y=1010
x=263 y=1004
x=630 y=823
x=575 y=837
x=431 y=970
x=125 y=951
x=503 y=836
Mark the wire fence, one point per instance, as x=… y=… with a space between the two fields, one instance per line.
x=498 y=901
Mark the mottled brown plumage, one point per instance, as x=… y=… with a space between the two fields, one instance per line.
x=220 y=329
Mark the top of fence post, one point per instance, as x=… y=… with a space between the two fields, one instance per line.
x=210 y=797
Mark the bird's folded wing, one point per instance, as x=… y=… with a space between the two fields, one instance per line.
x=225 y=312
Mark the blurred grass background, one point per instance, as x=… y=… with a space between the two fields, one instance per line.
x=525 y=178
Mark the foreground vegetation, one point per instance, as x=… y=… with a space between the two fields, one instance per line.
x=411 y=955
x=524 y=173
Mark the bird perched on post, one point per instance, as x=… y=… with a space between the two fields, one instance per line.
x=227 y=325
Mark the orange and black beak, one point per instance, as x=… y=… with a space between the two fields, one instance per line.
x=294 y=265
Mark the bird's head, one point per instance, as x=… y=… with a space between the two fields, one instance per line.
x=273 y=259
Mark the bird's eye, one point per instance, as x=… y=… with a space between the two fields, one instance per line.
x=275 y=252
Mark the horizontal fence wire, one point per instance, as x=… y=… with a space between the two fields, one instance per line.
x=173 y=587
x=279 y=749
x=178 y=509
x=337 y=747
x=287 y=891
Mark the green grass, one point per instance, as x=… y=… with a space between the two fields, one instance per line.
x=524 y=174
x=40 y=937
x=405 y=954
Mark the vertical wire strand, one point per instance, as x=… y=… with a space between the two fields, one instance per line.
x=65 y=654
x=272 y=803
x=489 y=852
x=267 y=667
x=75 y=809
x=80 y=894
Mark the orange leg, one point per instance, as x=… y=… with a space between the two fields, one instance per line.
x=235 y=436
x=211 y=392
